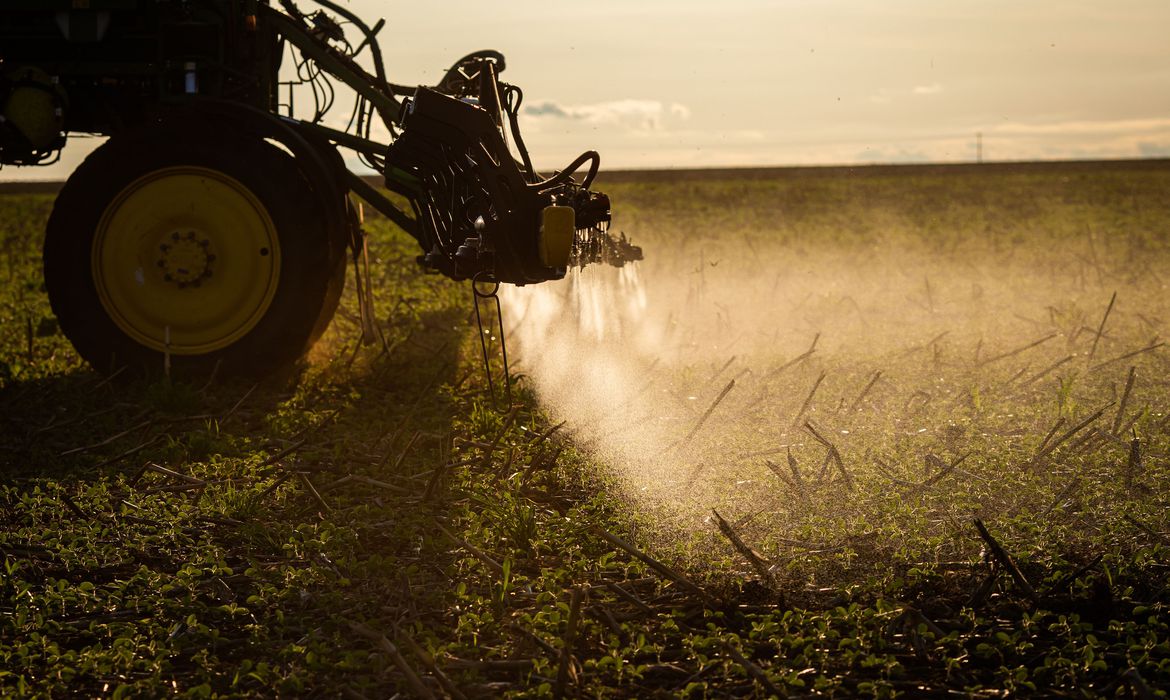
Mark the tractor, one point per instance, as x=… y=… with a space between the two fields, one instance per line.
x=211 y=231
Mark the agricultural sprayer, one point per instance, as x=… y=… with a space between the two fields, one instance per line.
x=213 y=228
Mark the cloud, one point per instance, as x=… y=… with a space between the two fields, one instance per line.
x=1148 y=149
x=547 y=109
x=1086 y=128
x=900 y=153
x=637 y=115
x=885 y=96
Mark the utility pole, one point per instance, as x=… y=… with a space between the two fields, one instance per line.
x=978 y=146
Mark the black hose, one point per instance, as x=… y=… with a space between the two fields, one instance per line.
x=565 y=175
x=514 y=122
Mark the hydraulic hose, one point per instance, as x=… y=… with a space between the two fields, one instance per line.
x=565 y=175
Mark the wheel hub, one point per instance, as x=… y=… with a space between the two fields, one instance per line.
x=185 y=259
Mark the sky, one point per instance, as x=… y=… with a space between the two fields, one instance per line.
x=689 y=83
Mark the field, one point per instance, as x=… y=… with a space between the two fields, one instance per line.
x=882 y=432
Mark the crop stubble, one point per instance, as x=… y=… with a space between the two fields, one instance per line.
x=918 y=352
x=807 y=396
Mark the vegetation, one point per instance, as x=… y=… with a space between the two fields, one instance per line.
x=373 y=525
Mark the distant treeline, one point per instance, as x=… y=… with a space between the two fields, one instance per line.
x=779 y=172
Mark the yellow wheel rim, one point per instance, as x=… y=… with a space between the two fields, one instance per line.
x=186 y=259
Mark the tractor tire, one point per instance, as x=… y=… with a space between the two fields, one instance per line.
x=193 y=251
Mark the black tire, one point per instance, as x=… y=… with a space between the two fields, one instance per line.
x=303 y=289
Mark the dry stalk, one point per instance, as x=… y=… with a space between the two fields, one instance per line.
x=348 y=478
x=108 y=440
x=73 y=507
x=433 y=483
x=536 y=441
x=151 y=466
x=889 y=474
x=1064 y=493
x=754 y=671
x=1154 y=345
x=185 y=487
x=980 y=595
x=930 y=343
x=312 y=490
x=945 y=471
x=808 y=401
x=405 y=451
x=1017 y=351
x=824 y=470
x=535 y=639
x=1124 y=401
x=1086 y=568
x=796 y=481
x=352 y=694
x=663 y=570
x=314 y=427
x=1056 y=426
x=915 y=617
x=720 y=371
x=1005 y=560
x=707 y=414
x=1146 y=528
x=834 y=454
x=1132 y=422
x=540 y=462
x=799 y=358
x=612 y=622
x=1019 y=373
x=1092 y=439
x=128 y=453
x=479 y=554
x=570 y=638
x=429 y=661
x=795 y=467
x=110 y=378
x=275 y=485
x=1133 y=467
x=1141 y=690
x=490 y=665
x=507 y=465
x=283 y=453
x=630 y=598
x=745 y=551
x=864 y=392
x=1048 y=447
x=412 y=679
x=1044 y=373
x=236 y=406
x=379 y=484
x=487 y=453
x=1101 y=328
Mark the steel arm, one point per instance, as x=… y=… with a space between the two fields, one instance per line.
x=341 y=67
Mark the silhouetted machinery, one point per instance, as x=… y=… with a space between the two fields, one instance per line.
x=212 y=227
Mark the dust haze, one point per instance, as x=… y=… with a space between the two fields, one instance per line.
x=725 y=369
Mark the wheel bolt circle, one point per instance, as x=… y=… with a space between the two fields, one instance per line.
x=186 y=260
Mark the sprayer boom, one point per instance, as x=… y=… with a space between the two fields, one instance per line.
x=479 y=211
x=210 y=231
